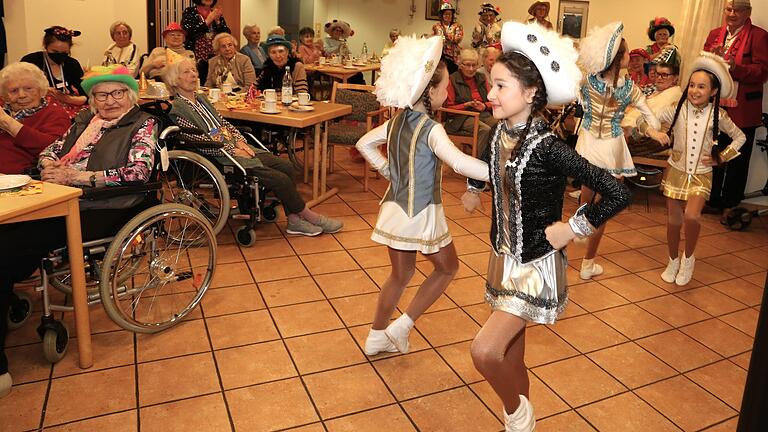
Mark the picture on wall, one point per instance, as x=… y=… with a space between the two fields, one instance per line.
x=433 y=10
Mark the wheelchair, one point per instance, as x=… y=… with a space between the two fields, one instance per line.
x=148 y=277
x=740 y=218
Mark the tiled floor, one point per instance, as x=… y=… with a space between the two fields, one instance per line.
x=277 y=345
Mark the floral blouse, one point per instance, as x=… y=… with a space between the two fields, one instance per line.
x=484 y=35
x=452 y=36
x=140 y=157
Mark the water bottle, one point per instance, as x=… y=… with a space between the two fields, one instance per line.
x=287 y=91
x=364 y=53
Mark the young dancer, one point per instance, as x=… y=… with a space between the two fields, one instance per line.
x=696 y=123
x=411 y=217
x=528 y=168
x=605 y=97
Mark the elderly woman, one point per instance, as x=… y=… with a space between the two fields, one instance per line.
x=63 y=72
x=274 y=69
x=452 y=33
x=229 y=66
x=661 y=50
x=394 y=33
x=336 y=42
x=28 y=124
x=468 y=90
x=160 y=57
x=488 y=31
x=253 y=49
x=490 y=55
x=111 y=145
x=539 y=12
x=122 y=51
x=191 y=109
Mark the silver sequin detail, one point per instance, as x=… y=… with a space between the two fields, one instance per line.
x=579 y=223
x=532 y=38
x=521 y=163
x=555 y=66
x=496 y=178
x=544 y=50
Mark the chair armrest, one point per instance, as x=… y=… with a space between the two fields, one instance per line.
x=459 y=112
x=105 y=192
x=376 y=113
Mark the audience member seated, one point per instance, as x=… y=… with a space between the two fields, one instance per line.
x=174 y=37
x=489 y=57
x=111 y=146
x=191 y=109
x=308 y=54
x=636 y=68
x=28 y=124
x=336 y=42
x=468 y=91
x=274 y=69
x=229 y=66
x=661 y=50
x=64 y=73
x=253 y=49
x=393 y=35
x=122 y=51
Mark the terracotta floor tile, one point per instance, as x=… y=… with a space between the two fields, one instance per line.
x=459 y=358
x=566 y=422
x=634 y=261
x=329 y=262
x=225 y=254
x=186 y=338
x=311 y=245
x=733 y=264
x=263 y=231
x=205 y=413
x=478 y=262
x=593 y=296
x=365 y=206
x=485 y=392
x=572 y=310
x=453 y=410
x=236 y=299
x=380 y=274
x=719 y=337
x=314 y=427
x=700 y=409
x=177 y=378
x=679 y=350
x=654 y=277
x=349 y=197
x=389 y=418
x=544 y=400
x=345 y=284
x=711 y=301
x=442 y=302
x=625 y=412
x=467 y=291
x=355 y=239
x=464 y=271
x=709 y=274
x=323 y=351
x=343 y=391
x=231 y=274
x=633 y=239
x=659 y=252
x=265 y=249
x=100 y=323
x=277 y=268
x=120 y=422
x=356 y=310
x=632 y=321
x=416 y=374
x=254 y=364
x=631 y=365
x=756 y=256
x=333 y=209
x=479 y=312
x=90 y=394
x=353 y=223
x=271 y=406
x=724 y=380
x=446 y=327
x=469 y=244
x=375 y=256
x=476 y=225
x=673 y=310
x=756 y=279
x=241 y=329
x=742 y=360
x=109 y=350
x=610 y=270
x=21 y=409
x=290 y=291
x=741 y=290
x=578 y=381
x=745 y=320
x=634 y=221
x=26 y=363
x=726 y=426
x=542 y=345
x=305 y=318
x=587 y=333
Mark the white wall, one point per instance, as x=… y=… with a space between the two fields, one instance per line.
x=260 y=12
x=758 y=165
x=26 y=19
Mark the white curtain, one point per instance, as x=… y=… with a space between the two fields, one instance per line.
x=699 y=18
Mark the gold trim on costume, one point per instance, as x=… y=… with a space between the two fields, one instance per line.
x=412 y=239
x=411 y=167
x=729 y=154
x=679 y=185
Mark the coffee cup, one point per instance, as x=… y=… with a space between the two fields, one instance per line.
x=303 y=98
x=269 y=105
x=226 y=88
x=322 y=60
x=348 y=62
x=270 y=95
x=214 y=94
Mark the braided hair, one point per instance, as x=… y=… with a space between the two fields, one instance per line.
x=615 y=69
x=715 y=83
x=525 y=71
x=437 y=76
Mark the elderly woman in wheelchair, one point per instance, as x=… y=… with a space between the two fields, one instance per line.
x=148 y=265
x=202 y=122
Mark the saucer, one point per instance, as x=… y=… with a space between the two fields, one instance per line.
x=301 y=108
x=349 y=67
x=359 y=64
x=263 y=111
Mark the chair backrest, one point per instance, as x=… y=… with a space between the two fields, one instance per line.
x=360 y=96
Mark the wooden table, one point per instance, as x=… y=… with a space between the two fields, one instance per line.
x=320 y=116
x=56 y=201
x=344 y=73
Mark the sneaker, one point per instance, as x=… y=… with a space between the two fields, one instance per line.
x=589 y=268
x=670 y=273
x=378 y=342
x=398 y=332
x=330 y=225
x=302 y=227
x=522 y=420
x=686 y=270
x=6 y=382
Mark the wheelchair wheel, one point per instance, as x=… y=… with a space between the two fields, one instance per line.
x=19 y=312
x=61 y=280
x=195 y=181
x=175 y=248
x=269 y=214
x=246 y=236
x=55 y=342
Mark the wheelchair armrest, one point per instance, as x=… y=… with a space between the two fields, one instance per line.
x=197 y=144
x=105 y=192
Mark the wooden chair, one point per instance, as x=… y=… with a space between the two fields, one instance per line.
x=463 y=140
x=366 y=114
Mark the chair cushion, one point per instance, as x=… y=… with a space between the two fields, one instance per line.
x=345 y=132
x=362 y=103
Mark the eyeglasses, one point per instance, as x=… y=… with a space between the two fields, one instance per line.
x=664 y=75
x=117 y=95
x=468 y=65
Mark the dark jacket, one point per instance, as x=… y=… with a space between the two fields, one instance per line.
x=195 y=26
x=73 y=72
x=463 y=94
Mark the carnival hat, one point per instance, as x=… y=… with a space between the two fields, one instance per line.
x=113 y=73
x=640 y=52
x=554 y=57
x=599 y=48
x=407 y=69
x=346 y=29
x=488 y=7
x=533 y=7
x=741 y=3
x=657 y=24
x=172 y=27
x=716 y=65
x=62 y=32
x=277 y=40
x=447 y=5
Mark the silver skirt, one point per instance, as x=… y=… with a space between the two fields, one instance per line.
x=535 y=291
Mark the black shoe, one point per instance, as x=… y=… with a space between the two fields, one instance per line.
x=708 y=209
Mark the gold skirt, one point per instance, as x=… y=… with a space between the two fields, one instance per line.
x=535 y=291
x=680 y=185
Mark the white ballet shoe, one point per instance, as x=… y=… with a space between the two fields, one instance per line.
x=522 y=420
x=670 y=273
x=589 y=268
x=398 y=332
x=686 y=270
x=378 y=342
x=6 y=382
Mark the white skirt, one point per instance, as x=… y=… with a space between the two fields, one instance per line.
x=427 y=232
x=611 y=154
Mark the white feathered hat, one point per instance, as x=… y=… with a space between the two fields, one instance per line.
x=599 y=48
x=554 y=57
x=407 y=69
x=715 y=64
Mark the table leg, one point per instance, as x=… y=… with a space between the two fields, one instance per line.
x=79 y=294
x=316 y=164
x=324 y=195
